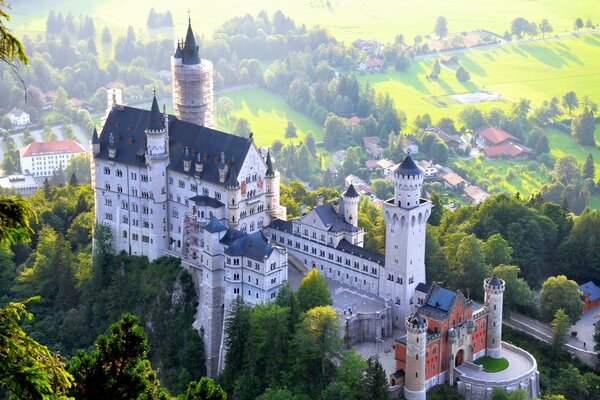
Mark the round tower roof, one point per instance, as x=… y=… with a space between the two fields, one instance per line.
x=416 y=320
x=408 y=167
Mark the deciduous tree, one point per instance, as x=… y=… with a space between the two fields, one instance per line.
x=560 y=292
x=441 y=27
x=313 y=291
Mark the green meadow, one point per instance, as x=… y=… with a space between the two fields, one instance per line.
x=347 y=20
x=268 y=115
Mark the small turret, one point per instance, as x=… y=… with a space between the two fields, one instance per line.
x=233 y=195
x=95 y=142
x=494 y=293
x=112 y=147
x=199 y=164
x=232 y=181
x=187 y=160
x=156 y=119
x=351 y=199
x=416 y=344
x=178 y=50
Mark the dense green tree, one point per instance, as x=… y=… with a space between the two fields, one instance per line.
x=497 y=251
x=106 y=36
x=435 y=262
x=518 y=293
x=579 y=251
x=271 y=336
x=436 y=69
x=501 y=394
x=204 y=389
x=597 y=335
x=338 y=391
x=560 y=292
x=589 y=168
x=582 y=128
x=242 y=128
x=311 y=143
x=545 y=27
x=469 y=269
x=570 y=383
x=518 y=26
x=437 y=209
x=277 y=394
x=462 y=75
x=118 y=367
x=441 y=27
x=374 y=383
x=570 y=101
x=291 y=132
x=567 y=170
x=351 y=370
x=560 y=326
x=15 y=217
x=313 y=291
x=237 y=343
x=578 y=24
x=471 y=117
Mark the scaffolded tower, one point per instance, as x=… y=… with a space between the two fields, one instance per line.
x=192 y=82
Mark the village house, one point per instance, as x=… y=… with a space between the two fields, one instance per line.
x=25 y=185
x=18 y=117
x=449 y=140
x=370 y=46
x=475 y=194
x=499 y=143
x=454 y=181
x=371 y=65
x=372 y=147
x=384 y=165
x=591 y=295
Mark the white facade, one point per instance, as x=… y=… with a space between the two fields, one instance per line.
x=42 y=159
x=25 y=185
x=18 y=117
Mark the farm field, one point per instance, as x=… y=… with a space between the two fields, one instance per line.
x=345 y=19
x=536 y=70
x=268 y=114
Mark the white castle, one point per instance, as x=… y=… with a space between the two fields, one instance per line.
x=173 y=185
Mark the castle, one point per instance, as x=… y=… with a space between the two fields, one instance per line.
x=175 y=186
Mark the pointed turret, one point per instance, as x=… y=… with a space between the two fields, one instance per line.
x=270 y=171
x=351 y=191
x=178 y=51
x=95 y=142
x=408 y=168
x=232 y=181
x=155 y=120
x=190 y=49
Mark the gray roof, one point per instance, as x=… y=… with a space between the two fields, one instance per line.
x=334 y=221
x=365 y=254
x=416 y=320
x=178 y=51
x=270 y=171
x=477 y=306
x=127 y=124
x=254 y=245
x=408 y=167
x=350 y=192
x=281 y=225
x=422 y=287
x=95 y=139
x=232 y=180
x=494 y=281
x=590 y=289
x=191 y=55
x=214 y=225
x=206 y=201
x=155 y=120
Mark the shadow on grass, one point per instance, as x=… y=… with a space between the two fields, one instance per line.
x=472 y=67
x=593 y=40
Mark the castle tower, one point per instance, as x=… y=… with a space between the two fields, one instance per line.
x=157 y=161
x=416 y=343
x=233 y=197
x=351 y=199
x=272 y=187
x=192 y=84
x=405 y=217
x=494 y=292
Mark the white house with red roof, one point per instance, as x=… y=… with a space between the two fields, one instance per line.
x=41 y=159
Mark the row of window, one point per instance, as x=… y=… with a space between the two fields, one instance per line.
x=399 y=279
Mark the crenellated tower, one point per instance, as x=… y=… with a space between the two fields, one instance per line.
x=494 y=294
x=154 y=190
x=405 y=217
x=192 y=82
x=416 y=344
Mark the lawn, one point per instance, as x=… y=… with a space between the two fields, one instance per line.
x=346 y=19
x=268 y=115
x=492 y=364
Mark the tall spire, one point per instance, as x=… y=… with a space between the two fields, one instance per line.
x=190 y=49
x=155 y=120
x=95 y=138
x=270 y=171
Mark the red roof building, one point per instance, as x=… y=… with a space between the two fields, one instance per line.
x=44 y=158
x=495 y=136
x=507 y=149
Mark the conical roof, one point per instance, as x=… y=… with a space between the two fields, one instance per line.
x=408 y=167
x=270 y=171
x=178 y=51
x=95 y=138
x=416 y=320
x=232 y=181
x=190 y=48
x=214 y=225
x=350 y=192
x=494 y=281
x=155 y=120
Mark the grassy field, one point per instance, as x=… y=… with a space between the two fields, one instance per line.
x=414 y=94
x=268 y=115
x=492 y=364
x=535 y=70
x=346 y=19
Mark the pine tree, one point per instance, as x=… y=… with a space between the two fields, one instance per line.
x=47 y=189
x=374 y=383
x=560 y=326
x=237 y=331
x=588 y=167
x=73 y=180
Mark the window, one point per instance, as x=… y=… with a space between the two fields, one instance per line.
x=118 y=172
x=144 y=177
x=106 y=171
x=236 y=290
x=218 y=195
x=107 y=202
x=175 y=213
x=125 y=219
x=236 y=277
x=108 y=216
x=107 y=186
x=145 y=239
x=125 y=234
x=181 y=184
x=133 y=176
x=134 y=236
x=170 y=180
x=193 y=187
x=144 y=209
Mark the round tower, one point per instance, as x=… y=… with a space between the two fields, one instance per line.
x=416 y=343
x=192 y=82
x=272 y=187
x=351 y=199
x=494 y=292
x=157 y=161
x=233 y=197
x=408 y=182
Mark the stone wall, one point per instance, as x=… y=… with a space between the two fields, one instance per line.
x=367 y=327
